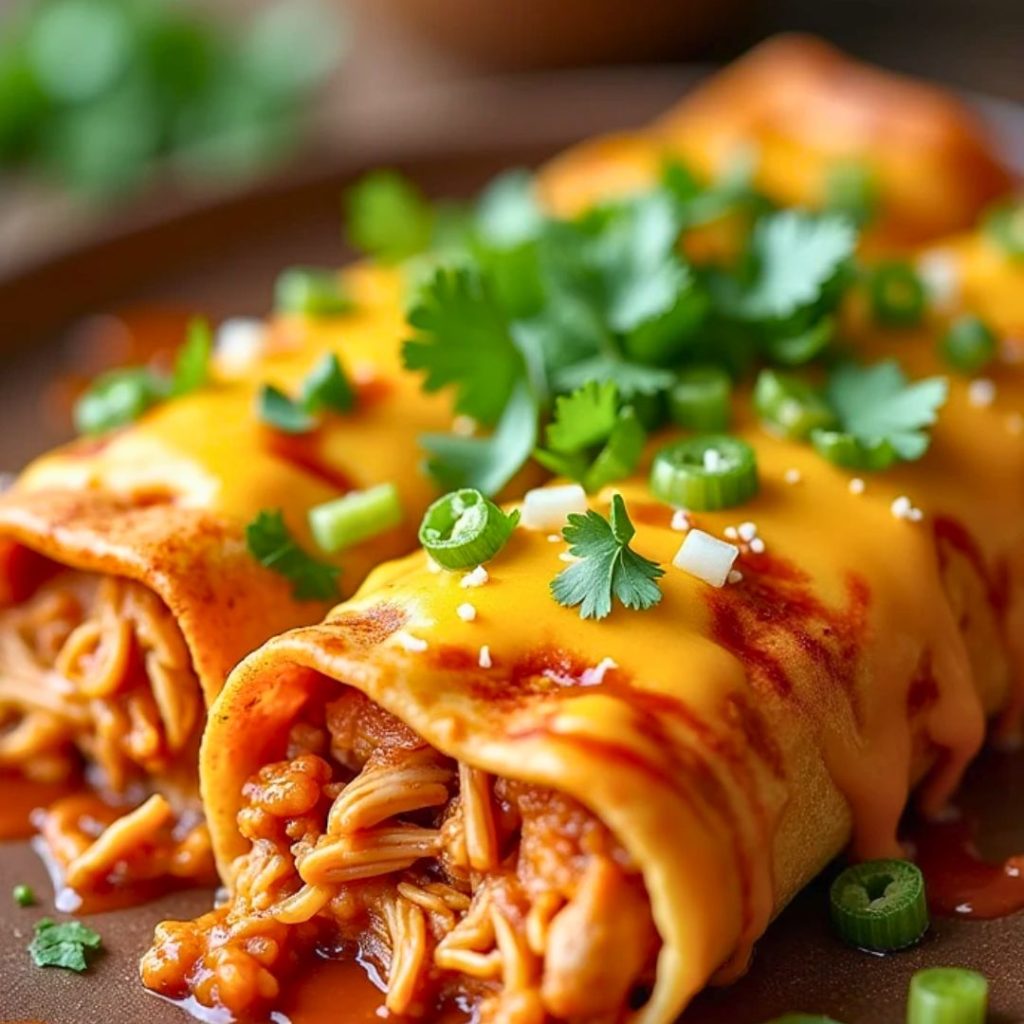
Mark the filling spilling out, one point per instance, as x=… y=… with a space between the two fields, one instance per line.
x=452 y=885
x=96 y=684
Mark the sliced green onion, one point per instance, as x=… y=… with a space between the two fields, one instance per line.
x=355 y=517
x=705 y=473
x=23 y=895
x=117 y=398
x=789 y=406
x=850 y=452
x=969 y=345
x=327 y=387
x=800 y=348
x=880 y=905
x=275 y=408
x=1005 y=226
x=464 y=529
x=947 y=995
x=311 y=292
x=699 y=400
x=897 y=294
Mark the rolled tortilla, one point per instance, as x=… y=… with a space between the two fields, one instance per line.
x=129 y=588
x=796 y=110
x=493 y=799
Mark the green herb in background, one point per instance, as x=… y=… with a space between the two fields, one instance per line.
x=94 y=92
x=68 y=944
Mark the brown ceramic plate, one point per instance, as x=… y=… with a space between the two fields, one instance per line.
x=222 y=258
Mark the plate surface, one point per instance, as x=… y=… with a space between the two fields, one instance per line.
x=222 y=259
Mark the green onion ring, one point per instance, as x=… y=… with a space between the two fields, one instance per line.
x=880 y=905
x=464 y=529
x=705 y=473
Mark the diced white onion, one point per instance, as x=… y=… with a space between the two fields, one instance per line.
x=485 y=657
x=706 y=557
x=240 y=343
x=547 y=508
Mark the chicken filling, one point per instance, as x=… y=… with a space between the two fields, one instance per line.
x=367 y=842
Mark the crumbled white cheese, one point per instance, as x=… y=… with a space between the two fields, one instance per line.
x=981 y=392
x=566 y=556
x=857 y=486
x=706 y=557
x=732 y=533
x=464 y=426
x=240 y=342
x=903 y=508
x=466 y=611
x=432 y=566
x=757 y=546
x=681 y=520
x=554 y=538
x=747 y=531
x=547 y=508
x=484 y=661
x=735 y=576
x=940 y=276
x=793 y=476
x=477 y=578
x=595 y=676
x=413 y=644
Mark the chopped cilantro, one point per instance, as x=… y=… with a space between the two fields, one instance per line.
x=486 y=463
x=796 y=256
x=463 y=339
x=68 y=944
x=325 y=388
x=607 y=565
x=272 y=545
x=192 y=366
x=388 y=218
x=118 y=397
x=508 y=213
x=881 y=414
x=590 y=439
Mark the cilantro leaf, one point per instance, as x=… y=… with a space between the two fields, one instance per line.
x=607 y=567
x=67 y=944
x=272 y=545
x=118 y=397
x=796 y=256
x=590 y=439
x=584 y=418
x=486 y=463
x=883 y=411
x=464 y=339
x=388 y=218
x=192 y=366
x=508 y=213
x=631 y=378
x=327 y=387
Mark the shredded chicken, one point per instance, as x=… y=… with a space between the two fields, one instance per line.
x=451 y=881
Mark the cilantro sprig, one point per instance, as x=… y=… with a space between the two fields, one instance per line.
x=882 y=415
x=326 y=388
x=67 y=944
x=270 y=542
x=607 y=568
x=591 y=438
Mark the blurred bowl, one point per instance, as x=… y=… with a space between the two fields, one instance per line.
x=510 y=34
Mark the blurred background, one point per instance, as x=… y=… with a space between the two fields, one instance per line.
x=215 y=135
